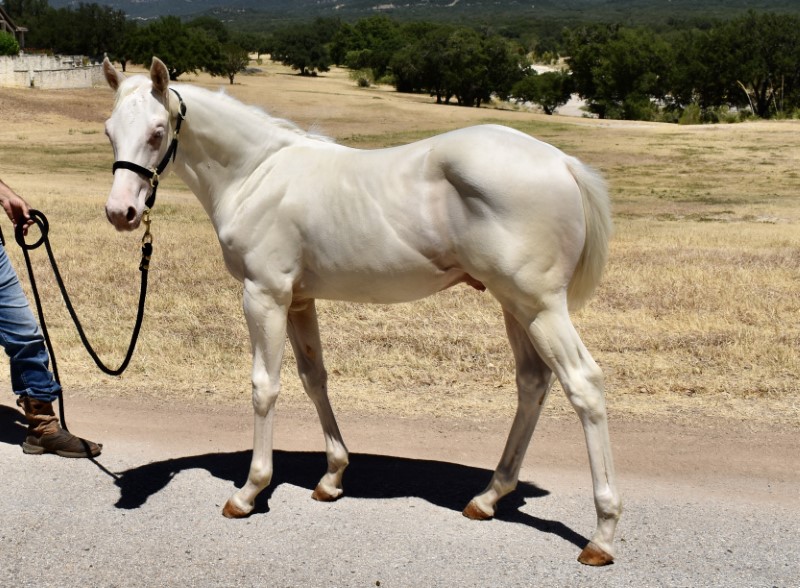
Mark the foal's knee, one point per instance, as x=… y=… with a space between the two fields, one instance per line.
x=265 y=393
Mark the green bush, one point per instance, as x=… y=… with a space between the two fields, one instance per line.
x=363 y=78
x=723 y=114
x=8 y=44
x=691 y=115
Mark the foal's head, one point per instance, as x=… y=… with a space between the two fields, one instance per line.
x=139 y=129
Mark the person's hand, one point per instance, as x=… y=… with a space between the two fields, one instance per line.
x=17 y=210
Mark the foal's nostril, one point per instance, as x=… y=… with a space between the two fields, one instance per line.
x=131 y=214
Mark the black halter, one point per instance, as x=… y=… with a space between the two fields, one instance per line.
x=153 y=174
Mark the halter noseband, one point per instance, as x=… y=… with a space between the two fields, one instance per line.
x=153 y=174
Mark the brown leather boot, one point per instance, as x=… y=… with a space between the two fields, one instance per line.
x=45 y=435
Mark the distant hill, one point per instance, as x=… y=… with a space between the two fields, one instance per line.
x=274 y=12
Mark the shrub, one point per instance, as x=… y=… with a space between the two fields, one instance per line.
x=691 y=115
x=363 y=78
x=8 y=44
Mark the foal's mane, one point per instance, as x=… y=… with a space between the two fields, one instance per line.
x=134 y=82
x=268 y=118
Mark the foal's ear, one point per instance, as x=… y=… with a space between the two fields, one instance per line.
x=113 y=77
x=159 y=75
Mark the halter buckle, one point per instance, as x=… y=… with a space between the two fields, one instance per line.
x=147 y=238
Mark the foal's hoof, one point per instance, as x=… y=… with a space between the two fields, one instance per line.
x=322 y=495
x=592 y=555
x=231 y=511
x=474 y=512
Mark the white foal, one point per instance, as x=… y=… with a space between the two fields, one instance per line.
x=300 y=218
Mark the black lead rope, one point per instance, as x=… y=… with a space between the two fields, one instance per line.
x=44 y=226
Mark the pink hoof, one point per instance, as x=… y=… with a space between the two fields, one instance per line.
x=475 y=513
x=592 y=555
x=322 y=495
x=231 y=511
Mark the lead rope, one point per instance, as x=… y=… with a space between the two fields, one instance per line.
x=44 y=226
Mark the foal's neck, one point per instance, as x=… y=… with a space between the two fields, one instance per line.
x=223 y=142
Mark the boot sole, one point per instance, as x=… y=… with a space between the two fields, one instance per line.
x=29 y=449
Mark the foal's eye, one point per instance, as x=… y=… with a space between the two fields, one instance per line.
x=156 y=137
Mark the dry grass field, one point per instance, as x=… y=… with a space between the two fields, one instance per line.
x=698 y=314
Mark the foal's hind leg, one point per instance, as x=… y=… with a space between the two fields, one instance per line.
x=304 y=335
x=556 y=340
x=533 y=384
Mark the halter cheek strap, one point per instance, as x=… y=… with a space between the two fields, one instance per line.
x=153 y=174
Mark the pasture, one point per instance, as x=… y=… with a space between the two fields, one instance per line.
x=697 y=315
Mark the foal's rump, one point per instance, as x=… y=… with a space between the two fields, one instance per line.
x=522 y=210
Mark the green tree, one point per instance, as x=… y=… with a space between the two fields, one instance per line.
x=585 y=45
x=89 y=29
x=233 y=59
x=756 y=61
x=302 y=47
x=419 y=66
x=213 y=27
x=750 y=62
x=123 y=51
x=505 y=62
x=690 y=67
x=342 y=42
x=457 y=62
x=465 y=68
x=252 y=42
x=183 y=49
x=549 y=90
x=476 y=66
x=619 y=71
x=8 y=44
x=26 y=12
x=30 y=14
x=368 y=44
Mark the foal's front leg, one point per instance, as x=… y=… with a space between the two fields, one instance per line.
x=266 y=321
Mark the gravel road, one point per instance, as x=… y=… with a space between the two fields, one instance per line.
x=707 y=505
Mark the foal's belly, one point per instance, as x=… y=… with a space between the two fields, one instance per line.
x=384 y=288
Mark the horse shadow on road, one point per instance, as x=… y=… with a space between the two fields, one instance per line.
x=447 y=485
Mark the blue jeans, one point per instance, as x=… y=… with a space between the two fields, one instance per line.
x=22 y=339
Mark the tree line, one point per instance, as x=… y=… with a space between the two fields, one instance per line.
x=746 y=66
x=750 y=63
x=687 y=72
x=452 y=63
x=96 y=31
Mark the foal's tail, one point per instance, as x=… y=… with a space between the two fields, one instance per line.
x=597 y=213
